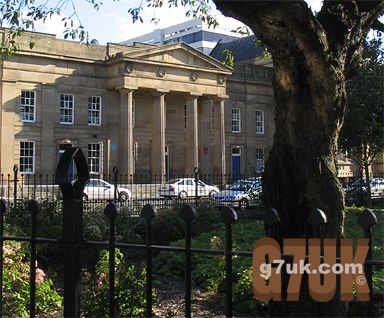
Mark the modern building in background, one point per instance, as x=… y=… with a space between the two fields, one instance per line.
x=195 y=32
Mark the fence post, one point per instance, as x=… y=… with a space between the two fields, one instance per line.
x=148 y=212
x=111 y=212
x=3 y=209
x=15 y=170
x=272 y=224
x=228 y=216
x=196 y=171
x=272 y=228
x=72 y=224
x=317 y=219
x=367 y=219
x=187 y=213
x=34 y=208
x=115 y=194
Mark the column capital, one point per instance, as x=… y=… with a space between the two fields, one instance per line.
x=194 y=94
x=219 y=98
x=159 y=92
x=127 y=89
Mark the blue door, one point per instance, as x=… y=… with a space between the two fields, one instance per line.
x=236 y=163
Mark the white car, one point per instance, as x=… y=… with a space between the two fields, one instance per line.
x=97 y=189
x=186 y=187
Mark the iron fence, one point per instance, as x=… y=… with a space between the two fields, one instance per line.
x=135 y=191
x=72 y=241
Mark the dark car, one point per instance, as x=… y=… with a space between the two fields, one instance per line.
x=356 y=191
x=241 y=194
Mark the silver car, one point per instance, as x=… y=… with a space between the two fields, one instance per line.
x=97 y=189
x=186 y=187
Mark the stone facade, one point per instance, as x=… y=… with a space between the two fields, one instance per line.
x=142 y=108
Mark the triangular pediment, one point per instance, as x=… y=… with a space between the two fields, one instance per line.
x=177 y=54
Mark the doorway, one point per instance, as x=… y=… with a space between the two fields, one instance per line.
x=236 y=163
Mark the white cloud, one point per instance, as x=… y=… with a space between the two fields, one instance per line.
x=54 y=25
x=113 y=23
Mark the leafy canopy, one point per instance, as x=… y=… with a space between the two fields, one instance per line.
x=362 y=133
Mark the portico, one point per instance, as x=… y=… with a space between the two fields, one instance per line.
x=174 y=107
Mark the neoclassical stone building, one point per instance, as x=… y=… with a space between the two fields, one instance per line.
x=250 y=108
x=145 y=109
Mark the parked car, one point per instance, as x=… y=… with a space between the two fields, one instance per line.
x=356 y=191
x=186 y=187
x=97 y=189
x=241 y=194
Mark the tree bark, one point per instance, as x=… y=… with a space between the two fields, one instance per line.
x=310 y=95
x=312 y=57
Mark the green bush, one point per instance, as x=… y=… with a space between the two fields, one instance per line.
x=129 y=289
x=168 y=227
x=354 y=231
x=16 y=285
x=208 y=271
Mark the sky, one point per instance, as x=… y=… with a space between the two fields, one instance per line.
x=112 y=23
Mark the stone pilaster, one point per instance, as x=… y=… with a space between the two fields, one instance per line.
x=158 y=136
x=126 y=133
x=219 y=164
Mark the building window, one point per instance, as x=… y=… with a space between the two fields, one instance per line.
x=27 y=106
x=94 y=158
x=94 y=110
x=259 y=122
x=236 y=124
x=27 y=157
x=66 y=108
x=259 y=159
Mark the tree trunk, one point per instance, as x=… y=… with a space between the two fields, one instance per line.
x=301 y=173
x=312 y=56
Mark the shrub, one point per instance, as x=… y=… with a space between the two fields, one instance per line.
x=16 y=285
x=355 y=231
x=208 y=271
x=129 y=289
x=168 y=227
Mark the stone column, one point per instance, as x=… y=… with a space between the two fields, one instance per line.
x=158 y=136
x=192 y=142
x=219 y=165
x=205 y=129
x=126 y=133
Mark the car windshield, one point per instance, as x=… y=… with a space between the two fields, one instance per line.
x=357 y=183
x=172 y=181
x=240 y=186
